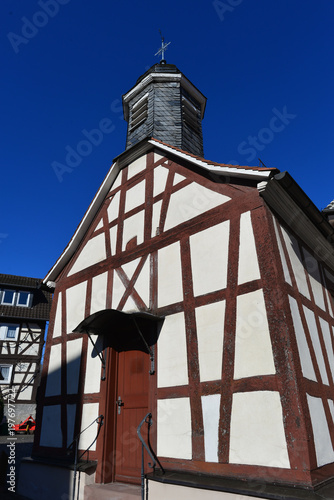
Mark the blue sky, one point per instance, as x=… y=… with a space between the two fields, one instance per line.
x=266 y=68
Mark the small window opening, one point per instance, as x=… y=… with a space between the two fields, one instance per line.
x=139 y=112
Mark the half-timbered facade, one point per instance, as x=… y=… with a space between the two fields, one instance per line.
x=236 y=266
x=24 y=312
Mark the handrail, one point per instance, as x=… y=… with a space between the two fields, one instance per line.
x=148 y=420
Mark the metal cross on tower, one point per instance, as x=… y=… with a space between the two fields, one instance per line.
x=163 y=48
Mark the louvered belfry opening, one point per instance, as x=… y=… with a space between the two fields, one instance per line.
x=165 y=105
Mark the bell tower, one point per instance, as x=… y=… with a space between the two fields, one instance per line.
x=165 y=105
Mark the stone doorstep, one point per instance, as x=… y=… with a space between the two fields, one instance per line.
x=112 y=491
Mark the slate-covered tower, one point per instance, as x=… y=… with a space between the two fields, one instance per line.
x=165 y=105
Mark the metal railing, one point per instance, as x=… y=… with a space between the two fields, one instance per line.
x=147 y=420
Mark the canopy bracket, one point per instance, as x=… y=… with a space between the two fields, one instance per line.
x=101 y=356
x=150 y=350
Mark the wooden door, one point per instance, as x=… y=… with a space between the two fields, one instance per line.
x=132 y=390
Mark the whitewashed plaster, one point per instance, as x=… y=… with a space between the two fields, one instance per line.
x=287 y=276
x=75 y=305
x=51 y=420
x=257 y=434
x=53 y=382
x=170 y=289
x=90 y=411
x=113 y=239
x=253 y=350
x=248 y=261
x=296 y=263
x=113 y=209
x=18 y=378
x=156 y=211
x=331 y=408
x=172 y=366
x=134 y=226
x=30 y=349
x=117 y=182
x=93 y=252
x=209 y=258
x=58 y=316
x=322 y=440
x=142 y=284
x=99 y=293
x=135 y=196
x=211 y=412
x=73 y=359
x=312 y=267
x=93 y=371
x=26 y=392
x=190 y=201
x=178 y=178
x=304 y=352
x=158 y=157
x=328 y=343
x=100 y=225
x=160 y=179
x=174 y=428
x=118 y=290
x=71 y=410
x=137 y=166
x=330 y=277
x=210 y=337
x=130 y=305
x=312 y=327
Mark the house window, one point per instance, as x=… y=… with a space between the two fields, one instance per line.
x=5 y=374
x=15 y=298
x=139 y=112
x=9 y=331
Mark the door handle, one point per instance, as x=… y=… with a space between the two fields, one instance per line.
x=119 y=403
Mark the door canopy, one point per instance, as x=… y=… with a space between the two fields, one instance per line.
x=122 y=331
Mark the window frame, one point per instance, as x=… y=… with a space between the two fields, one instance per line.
x=9 y=379
x=3 y=335
x=16 y=297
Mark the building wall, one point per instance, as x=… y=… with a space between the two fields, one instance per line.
x=227 y=397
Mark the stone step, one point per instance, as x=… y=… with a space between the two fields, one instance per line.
x=112 y=491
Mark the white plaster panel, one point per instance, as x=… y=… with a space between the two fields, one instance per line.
x=137 y=166
x=113 y=239
x=99 y=293
x=113 y=209
x=248 y=261
x=312 y=327
x=32 y=349
x=282 y=255
x=118 y=290
x=174 y=428
x=130 y=267
x=18 y=377
x=53 y=387
x=73 y=359
x=51 y=420
x=75 y=305
x=191 y=201
x=130 y=305
x=312 y=267
x=142 y=285
x=157 y=157
x=172 y=352
x=156 y=211
x=71 y=411
x=135 y=196
x=304 y=352
x=117 y=181
x=93 y=252
x=211 y=412
x=57 y=323
x=210 y=336
x=296 y=263
x=90 y=412
x=26 y=393
x=170 y=289
x=253 y=350
x=178 y=178
x=328 y=343
x=32 y=368
x=93 y=371
x=322 y=440
x=134 y=226
x=257 y=433
x=160 y=179
x=209 y=258
x=331 y=408
x=100 y=225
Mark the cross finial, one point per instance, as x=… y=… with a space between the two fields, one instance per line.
x=163 y=48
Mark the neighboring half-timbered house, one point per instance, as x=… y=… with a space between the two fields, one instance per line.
x=24 y=312
x=207 y=288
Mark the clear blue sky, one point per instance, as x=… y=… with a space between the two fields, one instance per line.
x=66 y=63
